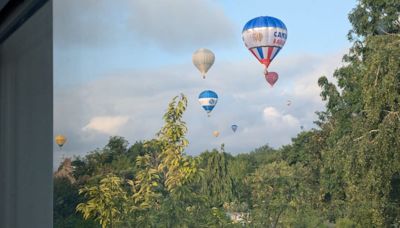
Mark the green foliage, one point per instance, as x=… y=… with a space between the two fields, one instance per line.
x=163 y=187
x=305 y=217
x=371 y=17
x=239 y=169
x=115 y=158
x=217 y=183
x=346 y=223
x=276 y=189
x=106 y=203
x=147 y=182
x=65 y=199
x=75 y=221
x=360 y=160
x=176 y=168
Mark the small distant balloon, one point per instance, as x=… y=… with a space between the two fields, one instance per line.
x=289 y=102
x=302 y=127
x=60 y=140
x=234 y=127
x=208 y=99
x=216 y=133
x=271 y=77
x=203 y=59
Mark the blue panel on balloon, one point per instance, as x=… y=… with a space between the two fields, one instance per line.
x=264 y=21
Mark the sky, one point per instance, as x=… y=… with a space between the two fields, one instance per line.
x=119 y=63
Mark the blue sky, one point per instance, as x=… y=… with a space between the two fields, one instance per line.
x=117 y=65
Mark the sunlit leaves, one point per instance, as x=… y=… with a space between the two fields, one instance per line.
x=107 y=201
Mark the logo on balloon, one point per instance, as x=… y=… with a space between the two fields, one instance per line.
x=211 y=101
x=257 y=36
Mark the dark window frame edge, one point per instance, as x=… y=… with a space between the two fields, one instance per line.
x=8 y=27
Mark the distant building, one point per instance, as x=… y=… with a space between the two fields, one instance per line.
x=65 y=171
x=239 y=217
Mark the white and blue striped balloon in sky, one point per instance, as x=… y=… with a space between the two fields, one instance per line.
x=208 y=99
x=264 y=37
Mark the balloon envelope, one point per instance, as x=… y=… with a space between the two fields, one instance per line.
x=234 y=127
x=208 y=99
x=216 y=133
x=203 y=59
x=271 y=78
x=264 y=37
x=60 y=140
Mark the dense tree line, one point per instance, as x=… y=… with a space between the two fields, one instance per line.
x=344 y=172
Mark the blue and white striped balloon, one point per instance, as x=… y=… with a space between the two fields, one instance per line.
x=264 y=37
x=208 y=99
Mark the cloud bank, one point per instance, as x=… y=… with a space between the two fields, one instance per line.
x=170 y=25
x=131 y=104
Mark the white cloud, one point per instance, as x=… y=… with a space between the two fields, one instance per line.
x=275 y=118
x=245 y=99
x=106 y=124
x=271 y=113
x=304 y=81
x=290 y=120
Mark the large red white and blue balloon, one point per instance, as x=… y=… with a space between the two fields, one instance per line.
x=208 y=99
x=264 y=37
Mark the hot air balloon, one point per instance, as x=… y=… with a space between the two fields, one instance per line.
x=203 y=59
x=271 y=78
x=264 y=37
x=60 y=140
x=208 y=99
x=216 y=133
x=234 y=127
x=289 y=102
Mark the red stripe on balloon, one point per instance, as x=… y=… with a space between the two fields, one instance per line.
x=255 y=55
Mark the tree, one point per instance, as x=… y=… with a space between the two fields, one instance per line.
x=373 y=17
x=107 y=202
x=114 y=158
x=65 y=199
x=279 y=191
x=217 y=183
x=163 y=183
x=363 y=144
x=176 y=168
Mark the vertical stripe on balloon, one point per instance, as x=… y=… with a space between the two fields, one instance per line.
x=260 y=52
x=255 y=53
x=275 y=52
x=270 y=49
